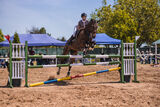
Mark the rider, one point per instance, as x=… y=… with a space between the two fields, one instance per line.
x=81 y=25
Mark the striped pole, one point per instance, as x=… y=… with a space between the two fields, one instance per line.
x=76 y=64
x=72 y=77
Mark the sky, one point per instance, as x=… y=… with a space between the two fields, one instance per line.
x=58 y=16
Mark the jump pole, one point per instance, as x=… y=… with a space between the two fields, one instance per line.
x=72 y=77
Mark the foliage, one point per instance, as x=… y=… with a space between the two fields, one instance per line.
x=1 y=36
x=36 y=30
x=62 y=39
x=42 y=30
x=130 y=18
x=16 y=38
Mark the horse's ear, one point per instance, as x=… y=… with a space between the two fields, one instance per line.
x=98 y=21
x=91 y=20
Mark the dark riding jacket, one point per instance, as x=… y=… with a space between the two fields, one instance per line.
x=82 y=24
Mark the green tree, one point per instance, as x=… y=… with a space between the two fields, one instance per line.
x=62 y=39
x=130 y=18
x=36 y=30
x=42 y=30
x=1 y=36
x=16 y=38
x=33 y=30
x=104 y=2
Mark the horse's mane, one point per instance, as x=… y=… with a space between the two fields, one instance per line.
x=89 y=25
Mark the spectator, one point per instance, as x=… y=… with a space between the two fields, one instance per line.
x=143 y=57
x=146 y=57
x=3 y=65
x=31 y=52
x=150 y=57
x=102 y=59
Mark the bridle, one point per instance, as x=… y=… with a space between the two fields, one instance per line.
x=91 y=29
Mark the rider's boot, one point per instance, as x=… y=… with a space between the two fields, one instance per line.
x=70 y=40
x=75 y=35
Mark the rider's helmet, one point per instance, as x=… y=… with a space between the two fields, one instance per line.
x=83 y=14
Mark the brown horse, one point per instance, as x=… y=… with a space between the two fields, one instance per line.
x=83 y=42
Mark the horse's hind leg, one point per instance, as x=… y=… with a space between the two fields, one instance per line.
x=59 y=69
x=69 y=68
x=69 y=71
x=72 y=52
x=62 y=61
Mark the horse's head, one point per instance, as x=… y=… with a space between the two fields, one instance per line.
x=92 y=27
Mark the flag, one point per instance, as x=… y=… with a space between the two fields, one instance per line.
x=7 y=37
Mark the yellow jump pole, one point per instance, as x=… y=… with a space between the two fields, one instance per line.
x=72 y=77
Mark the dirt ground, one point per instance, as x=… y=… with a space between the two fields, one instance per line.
x=95 y=91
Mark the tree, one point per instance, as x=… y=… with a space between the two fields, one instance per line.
x=104 y=2
x=36 y=30
x=42 y=30
x=16 y=38
x=1 y=36
x=62 y=39
x=130 y=18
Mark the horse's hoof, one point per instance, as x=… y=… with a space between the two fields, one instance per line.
x=68 y=74
x=58 y=73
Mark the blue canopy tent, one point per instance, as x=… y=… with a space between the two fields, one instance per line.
x=156 y=42
x=102 y=39
x=144 y=45
x=45 y=40
x=36 y=40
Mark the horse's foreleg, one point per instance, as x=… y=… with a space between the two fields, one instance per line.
x=59 y=69
x=69 y=71
x=84 y=51
x=93 y=43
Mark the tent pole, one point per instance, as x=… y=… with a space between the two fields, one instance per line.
x=56 y=50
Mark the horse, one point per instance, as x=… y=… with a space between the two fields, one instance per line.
x=82 y=42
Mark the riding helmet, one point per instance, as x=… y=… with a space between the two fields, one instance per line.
x=83 y=14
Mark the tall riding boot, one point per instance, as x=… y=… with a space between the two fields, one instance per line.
x=76 y=33
x=70 y=40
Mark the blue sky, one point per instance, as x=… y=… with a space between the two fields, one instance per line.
x=58 y=16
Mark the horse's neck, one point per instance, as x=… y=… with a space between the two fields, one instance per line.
x=86 y=31
x=83 y=33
